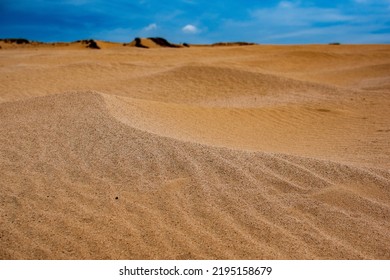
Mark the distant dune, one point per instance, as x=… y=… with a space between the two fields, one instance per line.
x=238 y=152
x=79 y=44
x=151 y=42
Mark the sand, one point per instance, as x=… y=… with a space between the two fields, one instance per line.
x=234 y=152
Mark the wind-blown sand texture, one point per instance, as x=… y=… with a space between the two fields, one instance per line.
x=250 y=152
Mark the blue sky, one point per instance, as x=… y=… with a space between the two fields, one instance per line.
x=198 y=21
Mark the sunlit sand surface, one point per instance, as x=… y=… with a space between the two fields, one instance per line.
x=236 y=152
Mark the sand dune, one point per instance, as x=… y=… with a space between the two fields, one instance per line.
x=291 y=129
x=185 y=84
x=76 y=45
x=255 y=152
x=152 y=42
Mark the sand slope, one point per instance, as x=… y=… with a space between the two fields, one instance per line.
x=207 y=155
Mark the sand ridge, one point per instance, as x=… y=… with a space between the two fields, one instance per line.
x=103 y=155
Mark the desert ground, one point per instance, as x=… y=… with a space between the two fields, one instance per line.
x=230 y=152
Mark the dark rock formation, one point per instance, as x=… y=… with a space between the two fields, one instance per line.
x=232 y=44
x=91 y=44
x=16 y=40
x=138 y=43
x=162 y=42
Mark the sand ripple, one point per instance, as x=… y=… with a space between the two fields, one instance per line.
x=77 y=182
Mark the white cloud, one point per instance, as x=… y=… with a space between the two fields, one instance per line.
x=285 y=4
x=346 y=34
x=290 y=14
x=293 y=21
x=151 y=27
x=191 y=29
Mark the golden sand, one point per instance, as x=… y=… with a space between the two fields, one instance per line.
x=250 y=152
